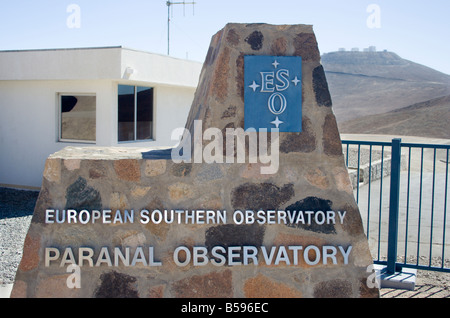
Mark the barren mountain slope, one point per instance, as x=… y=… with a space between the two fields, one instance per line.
x=367 y=83
x=425 y=119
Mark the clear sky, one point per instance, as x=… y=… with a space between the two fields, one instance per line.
x=416 y=30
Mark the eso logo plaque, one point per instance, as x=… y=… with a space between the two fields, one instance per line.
x=273 y=92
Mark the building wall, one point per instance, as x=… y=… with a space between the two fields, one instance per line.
x=30 y=81
x=96 y=64
x=29 y=122
x=173 y=105
x=64 y=64
x=161 y=69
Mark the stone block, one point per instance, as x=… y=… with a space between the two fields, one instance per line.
x=52 y=170
x=263 y=287
x=335 y=288
x=31 y=248
x=155 y=167
x=128 y=169
x=116 y=285
x=236 y=230
x=211 y=285
x=80 y=195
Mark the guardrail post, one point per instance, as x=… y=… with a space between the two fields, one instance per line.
x=394 y=205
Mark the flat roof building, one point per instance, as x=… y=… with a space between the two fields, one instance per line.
x=107 y=96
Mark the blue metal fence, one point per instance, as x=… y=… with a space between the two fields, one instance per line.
x=402 y=193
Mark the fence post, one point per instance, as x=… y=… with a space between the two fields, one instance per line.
x=394 y=205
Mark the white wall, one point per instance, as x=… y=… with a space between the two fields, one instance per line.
x=66 y=64
x=29 y=122
x=29 y=108
x=29 y=125
x=173 y=107
x=160 y=69
x=97 y=63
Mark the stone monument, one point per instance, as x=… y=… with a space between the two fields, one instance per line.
x=255 y=201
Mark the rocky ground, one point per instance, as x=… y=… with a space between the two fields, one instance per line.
x=16 y=208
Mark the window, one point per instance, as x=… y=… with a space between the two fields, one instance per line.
x=135 y=113
x=78 y=116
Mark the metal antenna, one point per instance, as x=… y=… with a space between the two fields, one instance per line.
x=170 y=3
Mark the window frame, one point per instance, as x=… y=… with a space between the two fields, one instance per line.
x=59 y=112
x=135 y=87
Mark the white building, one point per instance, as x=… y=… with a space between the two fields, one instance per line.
x=110 y=96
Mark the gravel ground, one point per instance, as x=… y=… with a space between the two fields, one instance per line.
x=16 y=209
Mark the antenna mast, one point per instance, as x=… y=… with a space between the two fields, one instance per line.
x=170 y=3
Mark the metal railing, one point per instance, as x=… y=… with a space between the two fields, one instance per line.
x=402 y=193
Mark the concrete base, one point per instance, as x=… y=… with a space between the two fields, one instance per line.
x=406 y=279
x=5 y=290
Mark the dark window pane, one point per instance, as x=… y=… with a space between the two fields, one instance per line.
x=144 y=113
x=126 y=112
x=78 y=115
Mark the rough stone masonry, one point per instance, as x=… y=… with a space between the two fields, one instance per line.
x=110 y=222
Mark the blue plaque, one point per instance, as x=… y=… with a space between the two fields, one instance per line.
x=273 y=92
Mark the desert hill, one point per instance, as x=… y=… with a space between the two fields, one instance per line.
x=372 y=83
x=426 y=119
